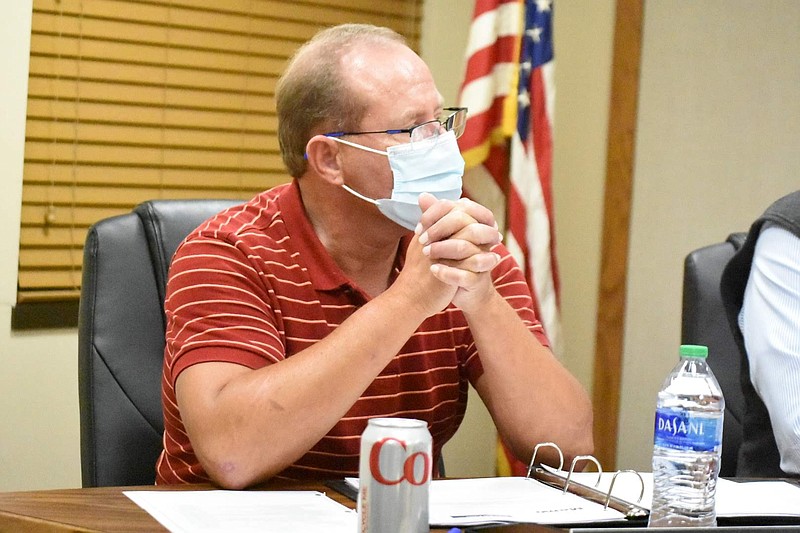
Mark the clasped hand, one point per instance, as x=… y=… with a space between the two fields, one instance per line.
x=457 y=238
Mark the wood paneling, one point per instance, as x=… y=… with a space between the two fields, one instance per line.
x=616 y=222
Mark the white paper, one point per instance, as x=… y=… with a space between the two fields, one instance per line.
x=474 y=501
x=757 y=498
x=733 y=499
x=245 y=511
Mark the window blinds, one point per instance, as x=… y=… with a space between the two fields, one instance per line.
x=133 y=100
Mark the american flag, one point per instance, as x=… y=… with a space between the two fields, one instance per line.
x=508 y=144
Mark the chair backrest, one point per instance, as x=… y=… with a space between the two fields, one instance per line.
x=121 y=337
x=705 y=322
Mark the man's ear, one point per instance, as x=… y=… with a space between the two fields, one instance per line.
x=322 y=154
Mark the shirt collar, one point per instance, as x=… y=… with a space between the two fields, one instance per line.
x=325 y=274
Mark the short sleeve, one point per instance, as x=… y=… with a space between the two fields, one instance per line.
x=219 y=307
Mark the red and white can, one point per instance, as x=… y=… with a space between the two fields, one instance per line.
x=394 y=476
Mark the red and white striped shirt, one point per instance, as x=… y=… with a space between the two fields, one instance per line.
x=254 y=285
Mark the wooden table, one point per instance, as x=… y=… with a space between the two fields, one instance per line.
x=105 y=509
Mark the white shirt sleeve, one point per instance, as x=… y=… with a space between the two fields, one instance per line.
x=770 y=323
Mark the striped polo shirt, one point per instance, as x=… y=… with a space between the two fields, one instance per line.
x=254 y=285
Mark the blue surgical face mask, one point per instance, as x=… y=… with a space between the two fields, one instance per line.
x=432 y=165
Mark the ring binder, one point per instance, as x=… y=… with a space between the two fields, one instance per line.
x=555 y=478
x=591 y=458
x=541 y=445
x=614 y=479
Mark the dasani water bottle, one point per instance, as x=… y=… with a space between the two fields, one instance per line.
x=687 y=444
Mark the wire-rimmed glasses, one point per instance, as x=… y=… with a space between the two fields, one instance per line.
x=455 y=121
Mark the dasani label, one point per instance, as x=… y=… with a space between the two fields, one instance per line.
x=682 y=430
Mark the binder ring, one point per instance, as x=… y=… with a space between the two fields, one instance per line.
x=550 y=445
x=577 y=458
x=613 y=479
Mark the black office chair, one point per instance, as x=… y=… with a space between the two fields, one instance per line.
x=705 y=322
x=121 y=337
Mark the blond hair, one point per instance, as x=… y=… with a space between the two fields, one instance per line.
x=313 y=90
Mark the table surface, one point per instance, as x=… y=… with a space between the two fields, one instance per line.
x=106 y=508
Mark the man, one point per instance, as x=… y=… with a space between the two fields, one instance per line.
x=294 y=318
x=761 y=290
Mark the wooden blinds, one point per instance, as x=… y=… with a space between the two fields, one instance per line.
x=131 y=100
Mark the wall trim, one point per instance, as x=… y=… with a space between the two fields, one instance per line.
x=610 y=332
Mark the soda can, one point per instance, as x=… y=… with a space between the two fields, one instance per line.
x=394 y=476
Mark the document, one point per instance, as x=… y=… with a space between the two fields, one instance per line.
x=455 y=502
x=477 y=501
x=245 y=511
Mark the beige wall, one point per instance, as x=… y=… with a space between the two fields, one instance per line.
x=717 y=141
x=718 y=131
x=38 y=386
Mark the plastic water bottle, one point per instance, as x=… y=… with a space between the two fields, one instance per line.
x=687 y=444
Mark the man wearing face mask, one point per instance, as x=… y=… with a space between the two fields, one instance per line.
x=363 y=288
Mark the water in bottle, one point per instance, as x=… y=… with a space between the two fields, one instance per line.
x=687 y=444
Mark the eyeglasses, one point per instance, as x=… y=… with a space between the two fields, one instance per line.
x=455 y=121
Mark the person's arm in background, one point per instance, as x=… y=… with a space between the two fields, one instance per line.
x=770 y=323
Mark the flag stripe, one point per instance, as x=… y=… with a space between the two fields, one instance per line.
x=543 y=96
x=490 y=76
x=487 y=119
x=491 y=18
x=497 y=165
x=531 y=167
x=504 y=49
x=476 y=144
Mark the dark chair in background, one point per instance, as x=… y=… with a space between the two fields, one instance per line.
x=121 y=337
x=705 y=322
